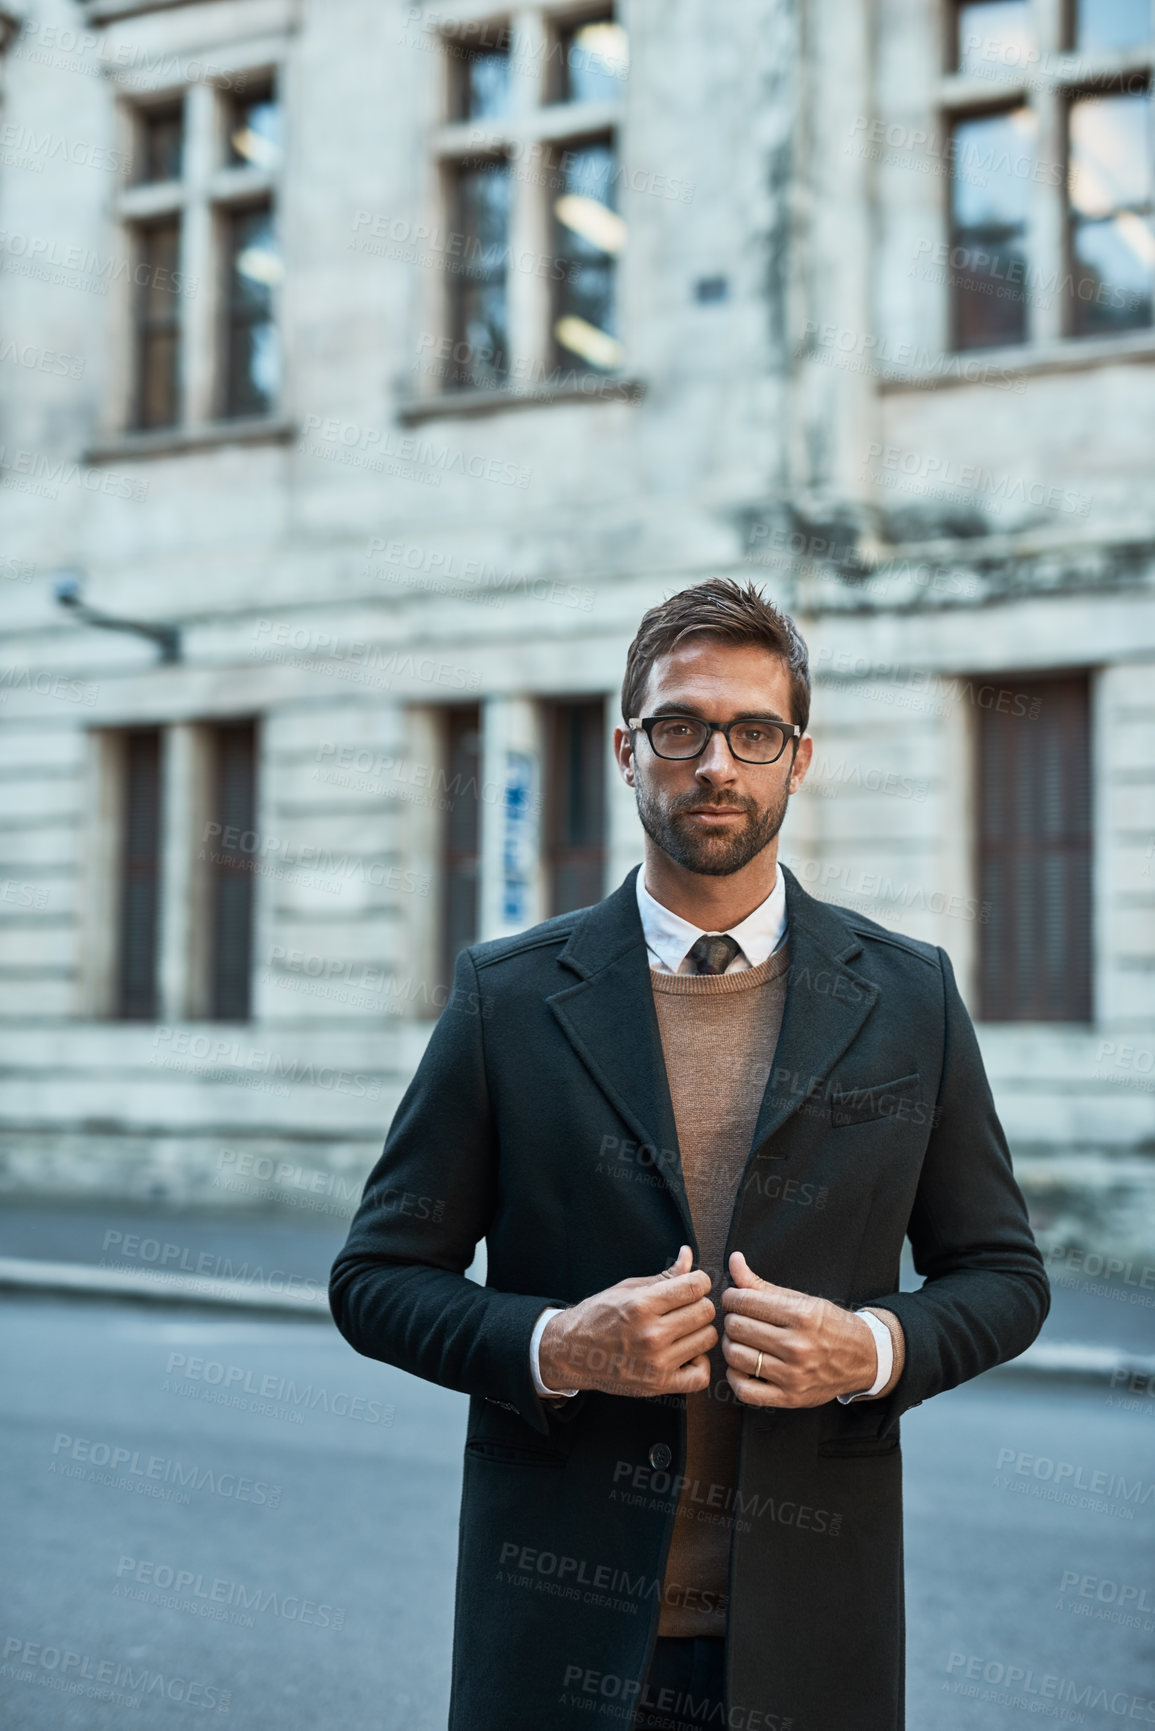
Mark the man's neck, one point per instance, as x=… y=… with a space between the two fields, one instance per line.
x=713 y=904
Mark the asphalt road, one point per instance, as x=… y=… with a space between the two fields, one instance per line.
x=341 y=1515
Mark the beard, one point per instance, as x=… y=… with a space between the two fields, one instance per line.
x=710 y=855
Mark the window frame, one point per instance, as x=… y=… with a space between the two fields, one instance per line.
x=536 y=128
x=1048 y=86
x=989 y=1006
x=136 y=988
x=1073 y=94
x=201 y=200
x=561 y=854
x=457 y=865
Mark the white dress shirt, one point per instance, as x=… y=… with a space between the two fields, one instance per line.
x=669 y=939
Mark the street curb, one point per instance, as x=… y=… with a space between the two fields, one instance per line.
x=1044 y=1361
x=1062 y=1361
x=153 y=1286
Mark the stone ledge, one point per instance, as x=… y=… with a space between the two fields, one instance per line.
x=1066 y=355
x=171 y=441
x=449 y=403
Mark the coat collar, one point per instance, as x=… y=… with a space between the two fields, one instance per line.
x=609 y=1018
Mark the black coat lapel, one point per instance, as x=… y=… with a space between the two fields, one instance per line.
x=609 y=1019
x=608 y=1016
x=826 y=1004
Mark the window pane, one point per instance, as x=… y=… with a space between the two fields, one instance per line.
x=576 y=824
x=1111 y=23
x=161 y=135
x=231 y=873
x=1110 y=154
x=595 y=62
x=589 y=237
x=991 y=181
x=157 y=319
x=255 y=130
x=993 y=33
x=1112 y=243
x=461 y=863
x=483 y=81
x=1112 y=272
x=1033 y=780
x=252 y=360
x=479 y=281
x=139 y=877
x=993 y=162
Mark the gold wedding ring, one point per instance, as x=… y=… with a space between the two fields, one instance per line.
x=758 y=1366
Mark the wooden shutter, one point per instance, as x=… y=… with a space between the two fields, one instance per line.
x=1033 y=792
x=461 y=860
x=231 y=894
x=136 y=995
x=576 y=805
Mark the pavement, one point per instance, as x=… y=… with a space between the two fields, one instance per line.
x=1099 y=1329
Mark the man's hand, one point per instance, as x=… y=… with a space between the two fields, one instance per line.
x=811 y=1349
x=647 y=1335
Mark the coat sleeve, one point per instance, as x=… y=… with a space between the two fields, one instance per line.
x=398 y=1290
x=985 y=1292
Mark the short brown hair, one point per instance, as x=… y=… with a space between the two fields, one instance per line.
x=720 y=608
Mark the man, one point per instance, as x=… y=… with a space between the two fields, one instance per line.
x=694 y=1124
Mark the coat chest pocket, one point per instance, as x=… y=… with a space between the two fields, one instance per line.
x=898 y=1101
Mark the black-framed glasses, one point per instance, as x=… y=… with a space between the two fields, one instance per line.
x=757 y=739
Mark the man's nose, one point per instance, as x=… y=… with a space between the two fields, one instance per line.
x=716 y=763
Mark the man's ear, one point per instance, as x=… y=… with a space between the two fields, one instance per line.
x=624 y=755
x=804 y=751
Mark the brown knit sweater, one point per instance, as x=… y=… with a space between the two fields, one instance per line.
x=718 y=1038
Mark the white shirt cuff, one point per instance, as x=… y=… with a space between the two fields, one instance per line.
x=884 y=1348
x=534 y=1348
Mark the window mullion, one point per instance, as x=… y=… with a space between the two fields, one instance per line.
x=1047 y=221
x=1047 y=224
x=198 y=262
x=527 y=278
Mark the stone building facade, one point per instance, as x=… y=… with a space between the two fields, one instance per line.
x=385 y=362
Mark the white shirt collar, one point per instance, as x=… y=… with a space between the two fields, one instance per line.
x=669 y=937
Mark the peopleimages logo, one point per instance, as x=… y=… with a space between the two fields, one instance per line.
x=130 y=1247
x=129 y=1469
x=216 y=1591
x=101 y=1679
x=42 y=249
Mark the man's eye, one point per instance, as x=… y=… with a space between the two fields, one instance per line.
x=752 y=734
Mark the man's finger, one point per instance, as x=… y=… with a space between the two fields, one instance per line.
x=755 y=1331
x=744 y=1359
x=682 y=1264
x=755 y=1391
x=689 y=1380
x=680 y=1289
x=773 y=1304
x=696 y=1344
x=742 y=1274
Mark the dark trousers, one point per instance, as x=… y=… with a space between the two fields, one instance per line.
x=685 y=1686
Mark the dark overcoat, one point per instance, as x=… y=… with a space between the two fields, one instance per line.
x=540 y=1120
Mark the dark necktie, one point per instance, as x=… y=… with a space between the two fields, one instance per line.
x=713 y=953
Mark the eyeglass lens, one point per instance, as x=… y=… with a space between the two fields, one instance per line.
x=753 y=741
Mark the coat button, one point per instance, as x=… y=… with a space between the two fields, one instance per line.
x=660 y=1456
